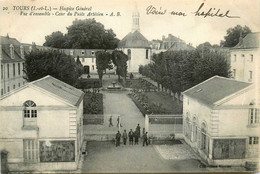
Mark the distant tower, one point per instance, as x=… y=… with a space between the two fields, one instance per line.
x=135 y=16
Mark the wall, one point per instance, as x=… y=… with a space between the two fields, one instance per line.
x=244 y=65
x=56 y=121
x=13 y=80
x=138 y=57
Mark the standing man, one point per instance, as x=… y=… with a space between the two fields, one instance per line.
x=138 y=130
x=118 y=136
x=118 y=122
x=145 y=139
x=110 y=121
x=124 y=137
x=136 y=135
x=131 y=136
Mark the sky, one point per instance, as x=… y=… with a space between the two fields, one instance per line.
x=190 y=28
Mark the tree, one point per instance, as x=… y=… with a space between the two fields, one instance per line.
x=40 y=63
x=120 y=61
x=103 y=62
x=89 y=34
x=233 y=34
x=56 y=40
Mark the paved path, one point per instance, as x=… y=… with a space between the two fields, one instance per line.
x=105 y=157
x=120 y=103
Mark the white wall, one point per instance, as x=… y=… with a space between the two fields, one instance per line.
x=244 y=64
x=138 y=57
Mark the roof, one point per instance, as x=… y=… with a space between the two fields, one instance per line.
x=68 y=93
x=251 y=40
x=134 y=40
x=6 y=52
x=215 y=89
x=7 y=40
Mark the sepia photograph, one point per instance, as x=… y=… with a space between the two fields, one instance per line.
x=129 y=86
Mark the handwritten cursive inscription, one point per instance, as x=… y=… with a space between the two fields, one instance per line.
x=212 y=13
x=152 y=10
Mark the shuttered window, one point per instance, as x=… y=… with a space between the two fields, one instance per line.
x=30 y=150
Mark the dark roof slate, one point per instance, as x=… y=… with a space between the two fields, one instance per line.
x=251 y=40
x=134 y=40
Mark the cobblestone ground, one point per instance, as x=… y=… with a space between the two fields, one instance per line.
x=174 y=152
x=105 y=157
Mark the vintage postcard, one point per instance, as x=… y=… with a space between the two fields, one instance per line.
x=129 y=86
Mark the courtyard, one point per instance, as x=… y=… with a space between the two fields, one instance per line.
x=106 y=157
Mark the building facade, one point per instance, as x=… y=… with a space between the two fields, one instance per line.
x=42 y=131
x=135 y=46
x=12 y=64
x=245 y=59
x=87 y=58
x=221 y=121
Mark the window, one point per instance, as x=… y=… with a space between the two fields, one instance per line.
x=19 y=84
x=253 y=140
x=250 y=75
x=93 y=67
x=2 y=71
x=129 y=54
x=19 y=69
x=8 y=74
x=92 y=53
x=235 y=57
x=83 y=59
x=14 y=69
x=23 y=68
x=30 y=150
x=204 y=139
x=2 y=91
x=194 y=129
x=13 y=86
x=12 y=51
x=22 y=51
x=92 y=60
x=82 y=52
x=147 y=54
x=29 y=113
x=234 y=73
x=253 y=116
x=8 y=89
x=251 y=57
x=242 y=55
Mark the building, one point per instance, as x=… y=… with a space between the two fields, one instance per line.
x=12 y=64
x=87 y=58
x=221 y=121
x=135 y=46
x=172 y=43
x=41 y=126
x=245 y=58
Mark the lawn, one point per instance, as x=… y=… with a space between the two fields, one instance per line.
x=93 y=103
x=156 y=103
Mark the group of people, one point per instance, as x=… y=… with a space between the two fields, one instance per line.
x=133 y=136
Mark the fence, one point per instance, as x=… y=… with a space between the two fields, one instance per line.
x=164 y=126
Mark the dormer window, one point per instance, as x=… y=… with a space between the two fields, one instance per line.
x=82 y=52
x=92 y=53
x=71 y=52
x=22 y=51
x=12 y=51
